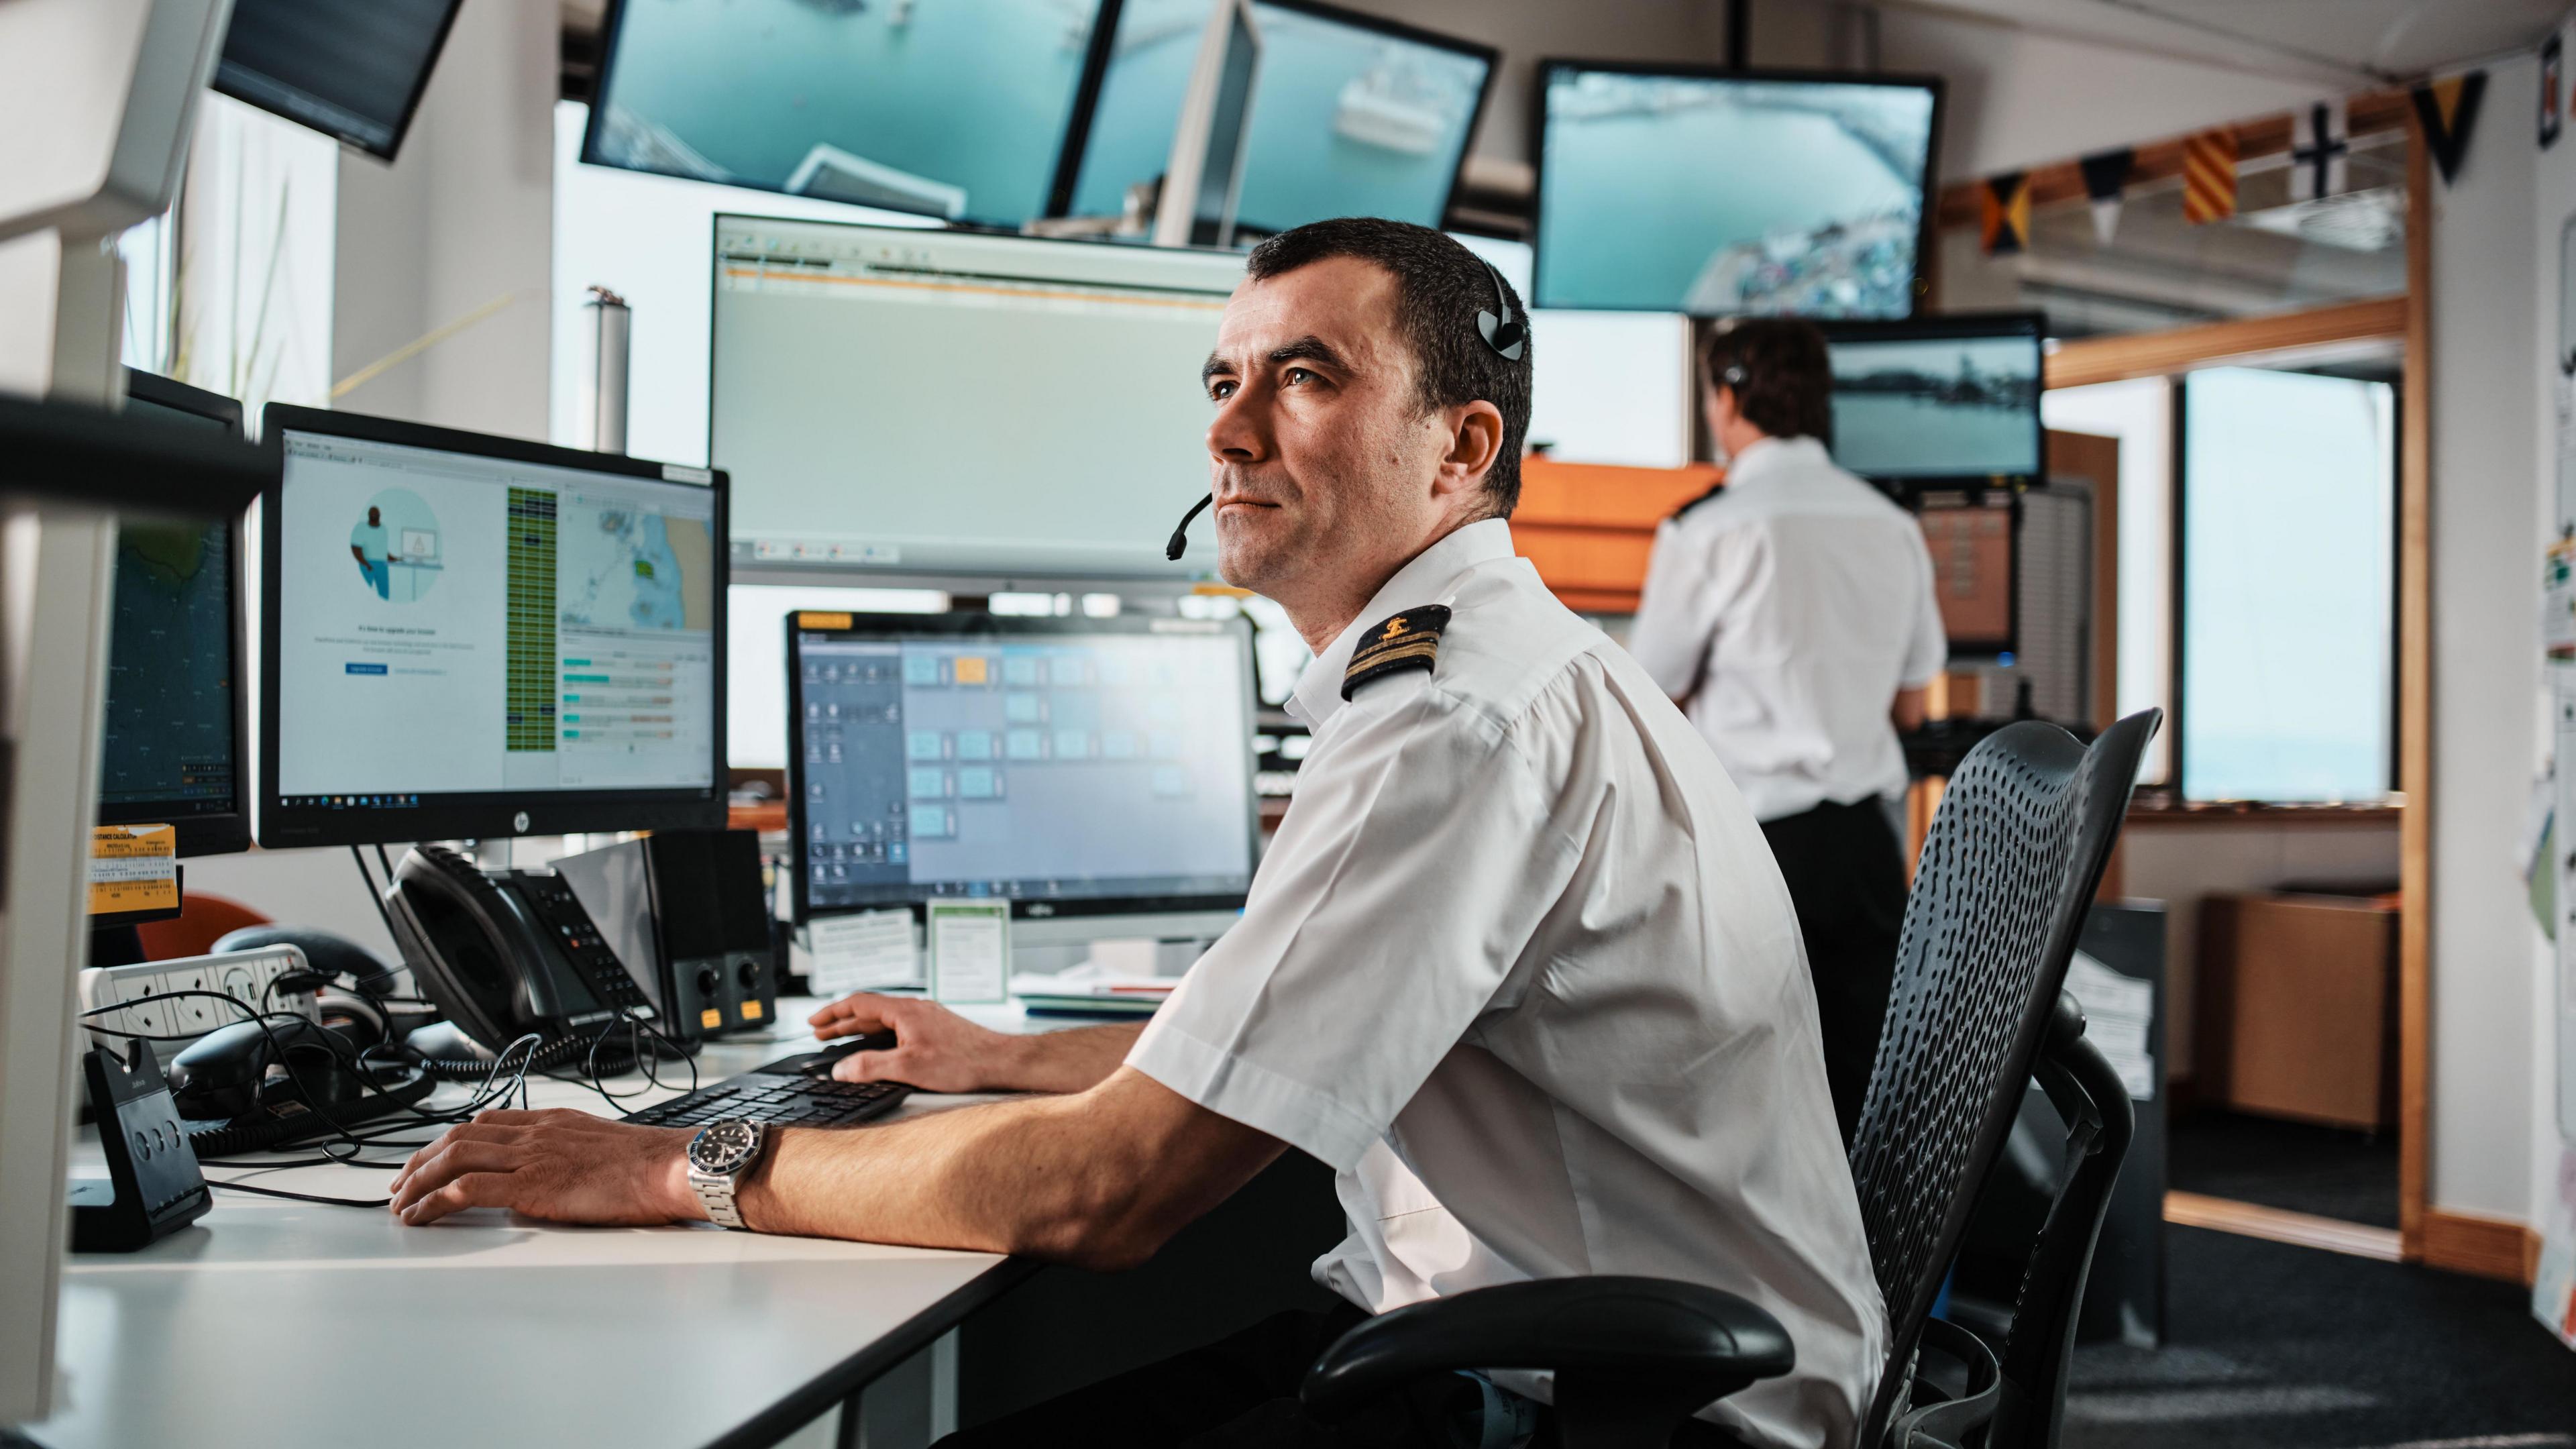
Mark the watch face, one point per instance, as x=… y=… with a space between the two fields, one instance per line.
x=723 y=1148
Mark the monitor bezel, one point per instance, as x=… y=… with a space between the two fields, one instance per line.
x=965 y=624
x=1950 y=326
x=479 y=815
x=402 y=124
x=1545 y=77
x=1104 y=36
x=213 y=832
x=1085 y=88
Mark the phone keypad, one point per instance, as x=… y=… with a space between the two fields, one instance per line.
x=561 y=912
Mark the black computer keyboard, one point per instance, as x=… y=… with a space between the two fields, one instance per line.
x=795 y=1091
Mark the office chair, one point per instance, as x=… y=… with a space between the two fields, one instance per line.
x=2015 y=854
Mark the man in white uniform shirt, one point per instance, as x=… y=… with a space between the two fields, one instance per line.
x=1791 y=612
x=1518 y=966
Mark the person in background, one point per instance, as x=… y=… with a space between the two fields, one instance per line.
x=1791 y=615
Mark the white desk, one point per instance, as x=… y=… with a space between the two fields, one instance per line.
x=279 y=1323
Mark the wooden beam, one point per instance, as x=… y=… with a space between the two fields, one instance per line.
x=2156 y=354
x=2415 y=714
x=2477 y=1244
x=2374 y=113
x=2278 y=1225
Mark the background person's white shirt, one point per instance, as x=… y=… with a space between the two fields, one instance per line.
x=1520 y=969
x=1791 y=608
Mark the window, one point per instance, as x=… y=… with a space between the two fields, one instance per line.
x=2287 y=614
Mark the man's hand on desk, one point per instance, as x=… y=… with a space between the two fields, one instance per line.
x=936 y=1050
x=563 y=1165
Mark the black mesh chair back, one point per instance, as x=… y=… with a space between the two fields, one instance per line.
x=2015 y=854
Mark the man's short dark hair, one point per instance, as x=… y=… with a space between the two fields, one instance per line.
x=1440 y=287
x=1783 y=382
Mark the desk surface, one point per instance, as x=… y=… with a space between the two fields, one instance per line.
x=276 y=1322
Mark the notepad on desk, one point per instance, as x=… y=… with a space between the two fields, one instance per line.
x=1086 y=991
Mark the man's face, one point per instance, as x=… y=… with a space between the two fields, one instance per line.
x=1324 y=466
x=373 y=521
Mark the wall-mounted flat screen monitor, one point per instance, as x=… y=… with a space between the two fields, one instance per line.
x=466 y=635
x=177 y=706
x=1725 y=193
x=956 y=109
x=1939 y=398
x=1352 y=115
x=352 y=71
x=893 y=400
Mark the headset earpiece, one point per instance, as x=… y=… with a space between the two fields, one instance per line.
x=1501 y=332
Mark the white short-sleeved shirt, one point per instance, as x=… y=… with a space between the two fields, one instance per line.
x=1791 y=608
x=1519 y=967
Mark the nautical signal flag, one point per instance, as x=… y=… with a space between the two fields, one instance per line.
x=2106 y=179
x=2320 y=147
x=2006 y=225
x=2448 y=111
x=2208 y=176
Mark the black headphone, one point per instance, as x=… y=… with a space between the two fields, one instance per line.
x=1501 y=333
x=1508 y=337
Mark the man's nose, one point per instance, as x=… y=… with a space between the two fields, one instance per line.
x=1240 y=433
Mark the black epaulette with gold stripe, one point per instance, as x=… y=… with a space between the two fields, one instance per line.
x=1716 y=490
x=1410 y=640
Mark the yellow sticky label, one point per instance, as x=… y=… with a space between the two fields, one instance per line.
x=970 y=668
x=751 y=1011
x=710 y=1019
x=817 y=619
x=133 y=868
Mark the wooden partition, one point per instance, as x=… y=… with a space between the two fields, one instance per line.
x=1589 y=527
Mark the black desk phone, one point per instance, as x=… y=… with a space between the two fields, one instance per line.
x=504 y=953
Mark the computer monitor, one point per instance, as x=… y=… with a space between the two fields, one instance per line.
x=355 y=72
x=1939 y=399
x=469 y=636
x=956 y=108
x=1719 y=193
x=177 y=709
x=1082 y=769
x=1975 y=543
x=858 y=399
x=1352 y=115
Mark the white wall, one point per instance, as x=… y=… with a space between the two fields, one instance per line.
x=2018 y=99
x=464 y=218
x=2487 y=389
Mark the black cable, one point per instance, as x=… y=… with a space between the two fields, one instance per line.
x=375 y=897
x=355 y=1202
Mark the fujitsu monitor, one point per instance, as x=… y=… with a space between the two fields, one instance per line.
x=1078 y=768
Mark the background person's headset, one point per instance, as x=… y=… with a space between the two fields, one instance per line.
x=1506 y=334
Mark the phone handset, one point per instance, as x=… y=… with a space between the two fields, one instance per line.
x=500 y=955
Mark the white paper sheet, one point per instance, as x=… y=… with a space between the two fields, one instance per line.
x=970 y=950
x=2118 y=1011
x=864 y=952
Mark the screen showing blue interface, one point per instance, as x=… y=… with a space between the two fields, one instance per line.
x=1346 y=120
x=1937 y=407
x=949 y=108
x=1727 y=197
x=1056 y=766
x=170 y=682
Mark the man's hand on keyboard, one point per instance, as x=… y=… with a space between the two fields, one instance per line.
x=567 y=1166
x=935 y=1049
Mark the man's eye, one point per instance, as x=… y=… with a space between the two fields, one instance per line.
x=1220 y=391
x=1296 y=374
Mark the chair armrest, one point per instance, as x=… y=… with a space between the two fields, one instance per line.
x=1692 y=1343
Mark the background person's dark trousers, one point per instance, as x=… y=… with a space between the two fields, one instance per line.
x=1846 y=874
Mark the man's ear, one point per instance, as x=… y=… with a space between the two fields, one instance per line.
x=1475 y=445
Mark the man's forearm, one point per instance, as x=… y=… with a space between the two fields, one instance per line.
x=1065 y=1061
x=1101 y=1178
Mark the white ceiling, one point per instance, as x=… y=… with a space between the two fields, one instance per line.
x=2362 y=39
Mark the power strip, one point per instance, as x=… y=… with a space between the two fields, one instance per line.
x=147 y=1008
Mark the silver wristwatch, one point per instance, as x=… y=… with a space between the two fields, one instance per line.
x=718 y=1157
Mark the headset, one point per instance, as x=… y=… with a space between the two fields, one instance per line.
x=1506 y=334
